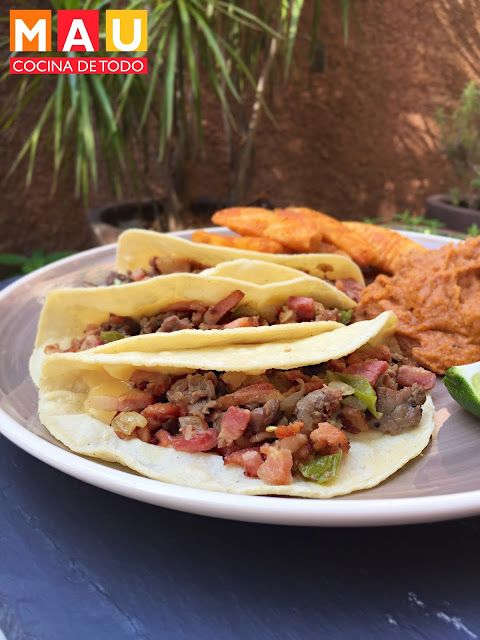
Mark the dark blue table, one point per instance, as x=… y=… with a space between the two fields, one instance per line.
x=77 y=562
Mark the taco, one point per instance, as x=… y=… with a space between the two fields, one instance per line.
x=314 y=417
x=143 y=316
x=144 y=254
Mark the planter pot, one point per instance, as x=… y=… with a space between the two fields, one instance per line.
x=108 y=222
x=439 y=208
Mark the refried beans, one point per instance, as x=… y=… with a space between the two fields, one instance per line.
x=436 y=297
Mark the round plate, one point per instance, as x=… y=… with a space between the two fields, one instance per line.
x=443 y=483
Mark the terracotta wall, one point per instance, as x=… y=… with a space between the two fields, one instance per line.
x=358 y=139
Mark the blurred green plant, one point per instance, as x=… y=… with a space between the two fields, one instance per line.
x=199 y=51
x=17 y=264
x=460 y=143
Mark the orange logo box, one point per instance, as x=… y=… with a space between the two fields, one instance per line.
x=30 y=30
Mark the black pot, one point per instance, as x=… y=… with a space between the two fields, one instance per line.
x=108 y=222
x=439 y=207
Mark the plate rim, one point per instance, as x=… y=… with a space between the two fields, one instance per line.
x=259 y=509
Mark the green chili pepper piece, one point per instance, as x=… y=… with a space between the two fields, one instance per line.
x=345 y=316
x=111 y=336
x=363 y=389
x=322 y=468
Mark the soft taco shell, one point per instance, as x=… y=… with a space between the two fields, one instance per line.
x=67 y=377
x=137 y=246
x=67 y=312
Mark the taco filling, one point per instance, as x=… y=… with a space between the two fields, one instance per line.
x=193 y=314
x=276 y=426
x=159 y=266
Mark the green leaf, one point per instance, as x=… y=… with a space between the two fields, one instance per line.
x=12 y=259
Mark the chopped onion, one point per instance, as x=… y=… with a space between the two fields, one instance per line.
x=103 y=402
x=127 y=421
x=345 y=388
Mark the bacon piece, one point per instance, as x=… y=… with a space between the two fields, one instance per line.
x=338 y=366
x=294 y=374
x=52 y=348
x=327 y=439
x=234 y=423
x=202 y=440
x=353 y=419
x=245 y=321
x=313 y=386
x=408 y=375
x=216 y=312
x=277 y=468
x=153 y=381
x=350 y=288
x=164 y=438
x=378 y=352
x=135 y=400
x=91 y=341
x=250 y=459
x=159 y=412
x=303 y=307
x=253 y=393
x=370 y=369
x=285 y=431
x=138 y=274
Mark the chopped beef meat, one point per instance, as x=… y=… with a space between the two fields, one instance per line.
x=389 y=378
x=153 y=381
x=174 y=323
x=318 y=406
x=194 y=394
x=263 y=417
x=253 y=393
x=353 y=419
x=401 y=409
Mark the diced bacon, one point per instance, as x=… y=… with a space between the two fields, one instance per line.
x=216 y=312
x=253 y=393
x=250 y=459
x=153 y=381
x=370 y=369
x=91 y=341
x=353 y=419
x=289 y=430
x=337 y=365
x=202 y=440
x=277 y=468
x=352 y=358
x=164 y=438
x=134 y=401
x=245 y=321
x=292 y=443
x=143 y=434
x=159 y=412
x=234 y=423
x=350 y=288
x=303 y=307
x=138 y=274
x=327 y=439
x=408 y=375
x=313 y=386
x=52 y=348
x=295 y=374
x=378 y=352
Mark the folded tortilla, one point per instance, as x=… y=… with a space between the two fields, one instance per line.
x=68 y=378
x=67 y=312
x=137 y=246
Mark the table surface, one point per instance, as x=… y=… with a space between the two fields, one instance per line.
x=78 y=562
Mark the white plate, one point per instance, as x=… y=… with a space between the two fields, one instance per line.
x=444 y=483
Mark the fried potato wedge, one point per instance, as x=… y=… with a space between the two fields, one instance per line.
x=300 y=236
x=299 y=228
x=264 y=245
x=389 y=246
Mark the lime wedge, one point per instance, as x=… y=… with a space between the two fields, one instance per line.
x=463 y=384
